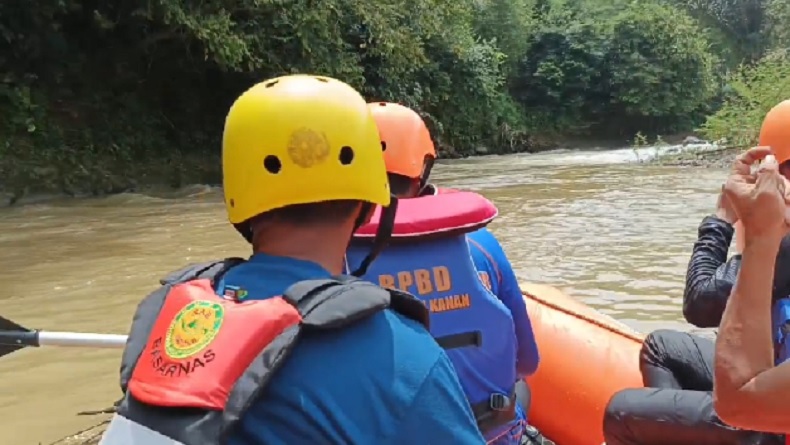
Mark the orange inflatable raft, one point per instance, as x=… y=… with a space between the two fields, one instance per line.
x=585 y=357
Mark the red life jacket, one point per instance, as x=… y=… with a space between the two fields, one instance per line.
x=195 y=361
x=433 y=216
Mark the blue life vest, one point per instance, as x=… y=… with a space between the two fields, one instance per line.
x=429 y=257
x=781 y=329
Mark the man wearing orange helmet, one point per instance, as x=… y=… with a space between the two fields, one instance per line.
x=752 y=378
x=678 y=367
x=490 y=302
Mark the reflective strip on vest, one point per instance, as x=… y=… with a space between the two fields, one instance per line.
x=123 y=431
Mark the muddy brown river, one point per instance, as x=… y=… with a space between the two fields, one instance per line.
x=615 y=235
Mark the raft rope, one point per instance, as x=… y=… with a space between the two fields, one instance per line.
x=628 y=334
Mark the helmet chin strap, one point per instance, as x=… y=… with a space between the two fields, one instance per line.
x=427 y=166
x=383 y=233
x=383 y=236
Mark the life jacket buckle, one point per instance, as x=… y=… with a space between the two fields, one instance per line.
x=500 y=402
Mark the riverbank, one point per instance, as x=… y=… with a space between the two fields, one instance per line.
x=101 y=176
x=200 y=175
x=694 y=157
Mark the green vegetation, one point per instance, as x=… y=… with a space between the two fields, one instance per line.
x=102 y=96
x=752 y=91
x=763 y=78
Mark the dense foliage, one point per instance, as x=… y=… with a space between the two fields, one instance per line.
x=104 y=95
x=751 y=92
x=755 y=87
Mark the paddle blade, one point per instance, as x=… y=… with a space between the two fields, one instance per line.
x=7 y=326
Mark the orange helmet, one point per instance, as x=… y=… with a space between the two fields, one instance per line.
x=405 y=140
x=775 y=131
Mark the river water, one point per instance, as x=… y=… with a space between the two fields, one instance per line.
x=614 y=234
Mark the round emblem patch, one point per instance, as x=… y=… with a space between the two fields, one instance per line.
x=193 y=328
x=307 y=147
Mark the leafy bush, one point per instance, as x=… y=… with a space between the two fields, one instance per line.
x=750 y=93
x=102 y=96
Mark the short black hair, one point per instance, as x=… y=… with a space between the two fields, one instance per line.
x=326 y=212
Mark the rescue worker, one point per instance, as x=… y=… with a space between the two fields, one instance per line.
x=279 y=348
x=751 y=388
x=677 y=367
x=497 y=310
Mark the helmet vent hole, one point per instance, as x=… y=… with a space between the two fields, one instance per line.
x=346 y=155
x=322 y=79
x=271 y=84
x=272 y=164
x=383 y=146
x=232 y=203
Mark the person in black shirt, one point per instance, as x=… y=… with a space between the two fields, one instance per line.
x=676 y=405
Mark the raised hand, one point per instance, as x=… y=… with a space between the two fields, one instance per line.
x=759 y=198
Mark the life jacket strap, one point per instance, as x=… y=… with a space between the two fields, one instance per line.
x=781 y=327
x=462 y=340
x=498 y=410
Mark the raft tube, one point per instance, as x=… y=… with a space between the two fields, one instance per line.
x=585 y=357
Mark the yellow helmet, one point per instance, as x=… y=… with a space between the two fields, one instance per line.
x=300 y=139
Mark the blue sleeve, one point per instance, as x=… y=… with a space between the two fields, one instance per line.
x=509 y=292
x=440 y=412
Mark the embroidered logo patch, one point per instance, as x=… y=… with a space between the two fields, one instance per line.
x=193 y=328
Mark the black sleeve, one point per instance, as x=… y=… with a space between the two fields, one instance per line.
x=710 y=277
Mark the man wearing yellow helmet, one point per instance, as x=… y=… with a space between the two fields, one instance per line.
x=490 y=303
x=281 y=349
